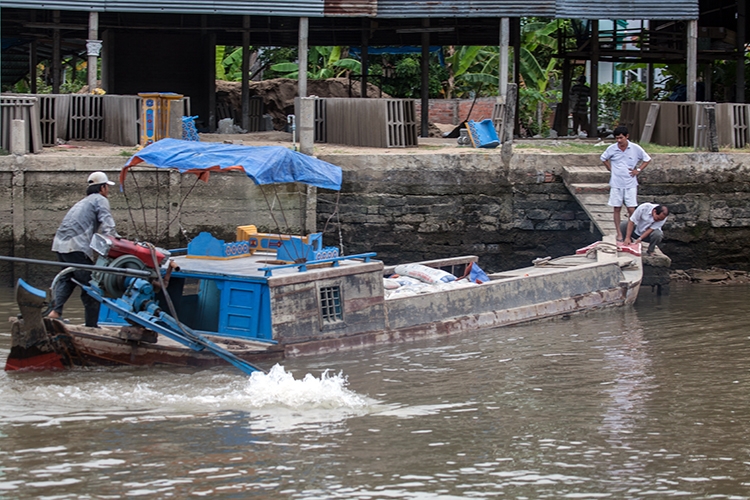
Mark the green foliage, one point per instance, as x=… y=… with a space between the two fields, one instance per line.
x=229 y=61
x=75 y=77
x=611 y=96
x=470 y=69
x=535 y=111
x=400 y=75
x=322 y=63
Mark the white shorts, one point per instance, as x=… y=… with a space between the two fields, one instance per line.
x=618 y=196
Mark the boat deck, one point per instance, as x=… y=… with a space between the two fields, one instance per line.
x=251 y=266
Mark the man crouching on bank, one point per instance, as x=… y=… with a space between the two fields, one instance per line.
x=645 y=225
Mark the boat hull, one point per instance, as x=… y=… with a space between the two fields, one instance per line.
x=76 y=346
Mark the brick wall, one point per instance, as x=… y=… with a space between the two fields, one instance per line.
x=454 y=111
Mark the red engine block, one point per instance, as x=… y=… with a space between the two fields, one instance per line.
x=139 y=250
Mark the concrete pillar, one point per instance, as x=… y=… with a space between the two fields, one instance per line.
x=304 y=26
x=309 y=221
x=517 y=69
x=18 y=141
x=93 y=48
x=692 y=59
x=502 y=87
x=306 y=125
x=245 y=84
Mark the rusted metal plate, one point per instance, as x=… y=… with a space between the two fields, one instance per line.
x=350 y=8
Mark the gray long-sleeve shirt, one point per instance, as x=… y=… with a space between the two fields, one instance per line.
x=88 y=216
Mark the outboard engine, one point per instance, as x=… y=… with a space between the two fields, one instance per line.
x=122 y=253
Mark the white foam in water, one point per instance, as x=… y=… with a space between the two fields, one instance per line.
x=278 y=387
x=50 y=398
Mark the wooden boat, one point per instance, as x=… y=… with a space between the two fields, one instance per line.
x=267 y=296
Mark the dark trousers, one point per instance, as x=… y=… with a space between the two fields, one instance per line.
x=65 y=287
x=581 y=119
x=653 y=239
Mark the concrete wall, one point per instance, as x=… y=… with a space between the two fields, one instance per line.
x=403 y=206
x=36 y=192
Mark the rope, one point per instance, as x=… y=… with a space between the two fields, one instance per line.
x=604 y=247
x=130 y=211
x=143 y=206
x=179 y=209
x=273 y=217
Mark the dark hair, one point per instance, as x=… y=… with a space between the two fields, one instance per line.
x=621 y=129
x=661 y=208
x=95 y=188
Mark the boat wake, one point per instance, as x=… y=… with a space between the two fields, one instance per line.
x=46 y=400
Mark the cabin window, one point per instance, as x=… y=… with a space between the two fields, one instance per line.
x=331 y=306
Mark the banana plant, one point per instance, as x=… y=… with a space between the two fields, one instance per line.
x=323 y=62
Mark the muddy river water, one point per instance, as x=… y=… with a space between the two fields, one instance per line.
x=650 y=401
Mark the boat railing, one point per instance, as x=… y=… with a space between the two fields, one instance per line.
x=302 y=266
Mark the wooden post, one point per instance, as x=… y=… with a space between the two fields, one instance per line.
x=741 y=33
x=245 y=84
x=425 y=94
x=692 y=59
x=304 y=26
x=93 y=48
x=594 y=125
x=561 y=114
x=56 y=63
x=365 y=59
x=211 y=47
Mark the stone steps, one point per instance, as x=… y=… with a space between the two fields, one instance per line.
x=590 y=186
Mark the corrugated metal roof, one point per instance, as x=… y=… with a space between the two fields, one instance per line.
x=563 y=9
x=290 y=8
x=627 y=9
x=470 y=8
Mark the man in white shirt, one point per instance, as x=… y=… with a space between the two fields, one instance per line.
x=645 y=225
x=622 y=159
x=72 y=239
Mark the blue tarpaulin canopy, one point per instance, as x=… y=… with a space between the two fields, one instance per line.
x=263 y=164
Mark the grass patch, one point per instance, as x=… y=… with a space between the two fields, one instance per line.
x=127 y=153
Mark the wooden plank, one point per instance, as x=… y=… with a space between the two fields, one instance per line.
x=648 y=127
